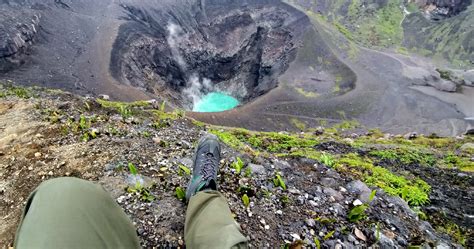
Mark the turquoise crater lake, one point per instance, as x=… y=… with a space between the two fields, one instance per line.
x=216 y=102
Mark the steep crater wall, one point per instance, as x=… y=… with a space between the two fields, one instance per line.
x=186 y=49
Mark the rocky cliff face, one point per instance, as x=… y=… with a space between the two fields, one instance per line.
x=18 y=28
x=444 y=8
x=203 y=46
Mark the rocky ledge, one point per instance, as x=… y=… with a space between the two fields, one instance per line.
x=329 y=187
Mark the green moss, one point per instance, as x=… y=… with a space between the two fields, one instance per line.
x=347 y=125
x=415 y=191
x=412 y=7
x=9 y=89
x=346 y=32
x=305 y=93
x=298 y=124
x=353 y=10
x=402 y=50
x=454 y=231
x=266 y=141
x=445 y=74
x=405 y=156
x=453 y=161
x=228 y=138
x=383 y=28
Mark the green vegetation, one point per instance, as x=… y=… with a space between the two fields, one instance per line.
x=358 y=212
x=415 y=191
x=279 y=182
x=326 y=159
x=143 y=192
x=8 y=89
x=406 y=156
x=346 y=32
x=412 y=7
x=298 y=124
x=267 y=141
x=238 y=165
x=183 y=170
x=445 y=74
x=246 y=200
x=329 y=235
x=180 y=194
x=133 y=170
x=307 y=94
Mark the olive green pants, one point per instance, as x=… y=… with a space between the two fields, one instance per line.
x=73 y=213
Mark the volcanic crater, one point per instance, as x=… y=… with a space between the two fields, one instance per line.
x=233 y=47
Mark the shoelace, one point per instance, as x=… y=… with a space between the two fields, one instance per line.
x=209 y=168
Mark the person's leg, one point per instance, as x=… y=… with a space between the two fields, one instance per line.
x=209 y=222
x=74 y=213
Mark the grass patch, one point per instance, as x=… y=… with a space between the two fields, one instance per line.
x=267 y=141
x=414 y=191
x=405 y=156
x=8 y=89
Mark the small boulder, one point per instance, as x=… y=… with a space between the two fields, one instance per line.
x=468 y=77
x=257 y=169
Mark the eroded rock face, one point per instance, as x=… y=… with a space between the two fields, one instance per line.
x=448 y=7
x=198 y=47
x=18 y=29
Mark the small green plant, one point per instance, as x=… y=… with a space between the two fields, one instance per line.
x=144 y=193
x=163 y=106
x=133 y=170
x=180 y=113
x=358 y=212
x=125 y=111
x=317 y=243
x=180 y=194
x=266 y=193
x=248 y=172
x=329 y=235
x=146 y=134
x=246 y=200
x=279 y=182
x=84 y=123
x=327 y=159
x=285 y=199
x=183 y=170
x=238 y=165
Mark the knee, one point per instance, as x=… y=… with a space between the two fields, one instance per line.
x=65 y=184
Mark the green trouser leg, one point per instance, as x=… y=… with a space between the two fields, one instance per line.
x=73 y=213
x=209 y=223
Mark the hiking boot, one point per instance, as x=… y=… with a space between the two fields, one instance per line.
x=205 y=167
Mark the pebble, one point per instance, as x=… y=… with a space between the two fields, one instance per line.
x=357 y=202
x=313 y=203
x=279 y=212
x=359 y=234
x=294 y=191
x=351 y=238
x=37 y=154
x=295 y=236
x=310 y=222
x=258 y=169
x=267 y=227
